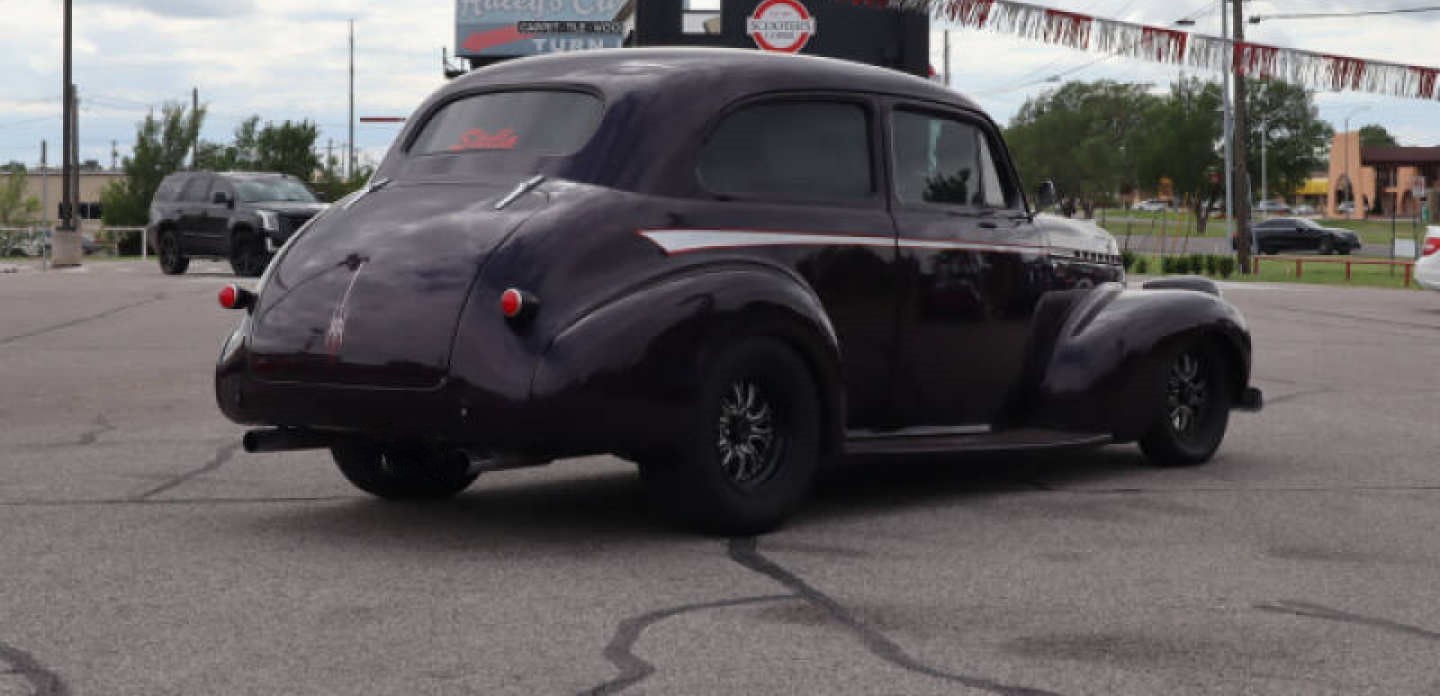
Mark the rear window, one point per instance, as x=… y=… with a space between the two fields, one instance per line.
x=791 y=149
x=541 y=122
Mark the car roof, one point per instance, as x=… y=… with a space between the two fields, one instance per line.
x=706 y=71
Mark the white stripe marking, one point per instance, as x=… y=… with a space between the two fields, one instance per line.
x=679 y=241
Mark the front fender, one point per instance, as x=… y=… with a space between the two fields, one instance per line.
x=1102 y=373
x=626 y=374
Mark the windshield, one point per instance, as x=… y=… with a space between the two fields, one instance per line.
x=542 y=122
x=252 y=190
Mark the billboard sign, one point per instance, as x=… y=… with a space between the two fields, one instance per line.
x=513 y=28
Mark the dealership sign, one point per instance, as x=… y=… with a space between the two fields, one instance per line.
x=513 y=28
x=781 y=25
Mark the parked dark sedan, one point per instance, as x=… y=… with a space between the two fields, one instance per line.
x=729 y=267
x=1299 y=234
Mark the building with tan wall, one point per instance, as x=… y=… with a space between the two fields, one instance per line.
x=44 y=185
x=1380 y=181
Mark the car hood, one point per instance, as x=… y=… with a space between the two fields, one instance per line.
x=372 y=291
x=1075 y=235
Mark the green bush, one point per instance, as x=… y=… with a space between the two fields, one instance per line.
x=1212 y=264
x=1197 y=264
x=1128 y=258
x=1142 y=265
x=1227 y=266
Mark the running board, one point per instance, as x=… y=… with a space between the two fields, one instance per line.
x=937 y=440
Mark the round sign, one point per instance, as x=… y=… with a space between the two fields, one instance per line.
x=781 y=25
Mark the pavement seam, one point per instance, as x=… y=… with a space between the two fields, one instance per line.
x=746 y=552
x=1317 y=611
x=76 y=322
x=44 y=681
x=222 y=455
x=635 y=669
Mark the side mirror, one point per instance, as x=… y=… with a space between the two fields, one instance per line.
x=1045 y=195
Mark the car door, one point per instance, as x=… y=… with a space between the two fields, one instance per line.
x=797 y=180
x=216 y=222
x=191 y=215
x=972 y=268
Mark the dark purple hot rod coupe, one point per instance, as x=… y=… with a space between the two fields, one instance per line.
x=729 y=267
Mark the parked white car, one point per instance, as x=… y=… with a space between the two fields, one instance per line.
x=1153 y=205
x=1427 y=269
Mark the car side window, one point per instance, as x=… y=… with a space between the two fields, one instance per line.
x=195 y=189
x=944 y=161
x=791 y=149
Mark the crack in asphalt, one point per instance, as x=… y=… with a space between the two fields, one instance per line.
x=85 y=439
x=745 y=552
x=1317 y=611
x=76 y=322
x=620 y=651
x=169 y=501
x=222 y=455
x=43 y=681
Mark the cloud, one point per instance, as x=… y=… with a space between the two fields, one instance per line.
x=189 y=9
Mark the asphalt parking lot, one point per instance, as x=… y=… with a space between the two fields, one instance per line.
x=143 y=554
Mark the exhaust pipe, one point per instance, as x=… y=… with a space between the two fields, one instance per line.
x=285 y=440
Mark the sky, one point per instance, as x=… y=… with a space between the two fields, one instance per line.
x=287 y=59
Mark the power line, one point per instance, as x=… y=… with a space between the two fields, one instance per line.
x=1256 y=19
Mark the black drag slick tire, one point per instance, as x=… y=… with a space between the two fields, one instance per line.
x=1193 y=406
x=172 y=260
x=751 y=455
x=247 y=255
x=402 y=472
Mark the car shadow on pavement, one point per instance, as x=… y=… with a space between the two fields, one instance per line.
x=607 y=507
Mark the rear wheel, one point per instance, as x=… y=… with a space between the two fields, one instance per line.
x=753 y=447
x=172 y=260
x=247 y=254
x=1327 y=246
x=1194 y=407
x=403 y=472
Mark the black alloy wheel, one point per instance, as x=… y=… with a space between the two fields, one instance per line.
x=403 y=471
x=753 y=448
x=172 y=261
x=247 y=255
x=1327 y=246
x=1194 y=406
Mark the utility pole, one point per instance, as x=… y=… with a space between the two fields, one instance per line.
x=350 y=151
x=65 y=243
x=947 y=57
x=1239 y=128
x=1264 y=190
x=114 y=155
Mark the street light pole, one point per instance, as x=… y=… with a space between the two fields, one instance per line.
x=1264 y=192
x=1239 y=129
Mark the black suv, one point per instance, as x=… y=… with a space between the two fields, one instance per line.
x=240 y=216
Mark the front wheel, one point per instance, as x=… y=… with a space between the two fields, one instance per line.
x=247 y=255
x=403 y=472
x=753 y=448
x=1194 y=407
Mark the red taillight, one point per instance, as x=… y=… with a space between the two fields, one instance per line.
x=512 y=303
x=236 y=297
x=1432 y=245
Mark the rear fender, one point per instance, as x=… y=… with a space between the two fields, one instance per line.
x=1101 y=375
x=624 y=377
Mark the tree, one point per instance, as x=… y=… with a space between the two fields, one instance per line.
x=1181 y=141
x=1083 y=136
x=161 y=145
x=1374 y=135
x=15 y=207
x=287 y=148
x=332 y=184
x=1296 y=139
